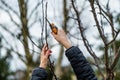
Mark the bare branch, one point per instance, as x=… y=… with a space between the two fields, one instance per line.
x=19 y=55
x=34 y=9
x=109 y=19
x=51 y=65
x=72 y=35
x=29 y=48
x=34 y=43
x=7 y=30
x=46 y=23
x=8 y=12
x=36 y=19
x=11 y=48
x=10 y=8
x=97 y=22
x=42 y=25
x=86 y=43
x=117 y=33
x=41 y=32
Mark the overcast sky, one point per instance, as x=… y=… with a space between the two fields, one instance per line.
x=54 y=14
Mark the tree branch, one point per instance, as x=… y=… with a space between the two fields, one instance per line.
x=10 y=8
x=86 y=43
x=97 y=22
x=8 y=12
x=34 y=9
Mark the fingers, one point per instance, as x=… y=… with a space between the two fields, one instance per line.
x=48 y=52
x=60 y=31
x=45 y=50
x=45 y=47
x=44 y=56
x=56 y=35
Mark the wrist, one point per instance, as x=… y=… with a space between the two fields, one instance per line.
x=67 y=44
x=42 y=66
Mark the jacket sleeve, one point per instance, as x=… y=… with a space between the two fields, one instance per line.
x=79 y=64
x=39 y=74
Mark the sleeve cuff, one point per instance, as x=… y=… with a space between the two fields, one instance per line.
x=40 y=71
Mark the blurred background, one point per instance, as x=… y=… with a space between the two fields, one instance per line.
x=92 y=25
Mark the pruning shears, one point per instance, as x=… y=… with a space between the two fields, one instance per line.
x=52 y=26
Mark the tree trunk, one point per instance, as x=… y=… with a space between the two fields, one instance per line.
x=25 y=33
x=58 y=71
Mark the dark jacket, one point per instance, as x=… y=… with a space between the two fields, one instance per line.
x=39 y=74
x=79 y=64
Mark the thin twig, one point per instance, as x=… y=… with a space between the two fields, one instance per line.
x=46 y=24
x=34 y=43
x=117 y=33
x=7 y=30
x=12 y=19
x=29 y=48
x=34 y=9
x=42 y=22
x=10 y=8
x=51 y=65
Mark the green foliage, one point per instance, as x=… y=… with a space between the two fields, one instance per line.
x=118 y=19
x=4 y=63
x=67 y=73
x=50 y=75
x=117 y=76
x=4 y=69
x=111 y=56
x=117 y=68
x=117 y=43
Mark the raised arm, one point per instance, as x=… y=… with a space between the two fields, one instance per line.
x=40 y=73
x=79 y=63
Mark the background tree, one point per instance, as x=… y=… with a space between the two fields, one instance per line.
x=23 y=32
x=100 y=15
x=5 y=71
x=19 y=19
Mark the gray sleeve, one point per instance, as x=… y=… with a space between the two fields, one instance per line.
x=79 y=64
x=39 y=74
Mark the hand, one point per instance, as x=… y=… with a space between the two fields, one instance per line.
x=44 y=57
x=62 y=38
